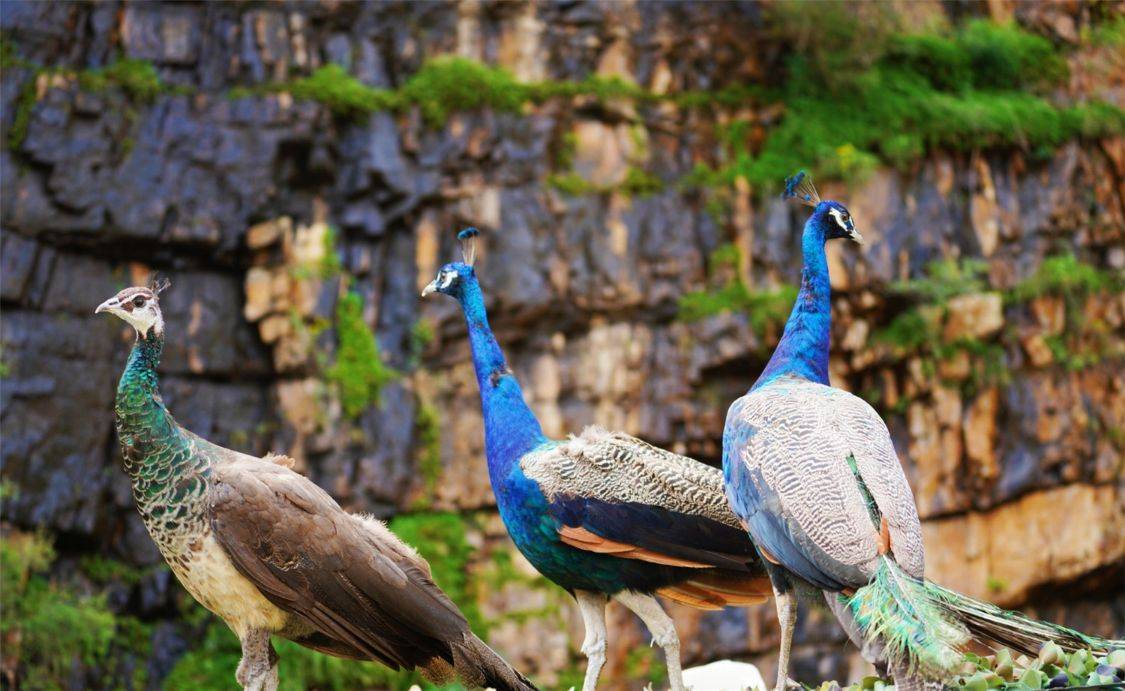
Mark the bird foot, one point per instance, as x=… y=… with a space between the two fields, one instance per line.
x=789 y=685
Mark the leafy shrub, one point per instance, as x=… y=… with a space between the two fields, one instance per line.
x=48 y=629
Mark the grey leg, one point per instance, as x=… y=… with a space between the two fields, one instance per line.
x=661 y=627
x=786 y=603
x=592 y=607
x=258 y=669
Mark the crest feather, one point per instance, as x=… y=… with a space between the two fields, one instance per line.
x=468 y=239
x=800 y=187
x=158 y=283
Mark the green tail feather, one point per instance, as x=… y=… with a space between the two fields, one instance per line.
x=910 y=621
x=1012 y=629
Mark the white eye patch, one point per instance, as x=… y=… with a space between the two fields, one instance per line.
x=839 y=219
x=446 y=278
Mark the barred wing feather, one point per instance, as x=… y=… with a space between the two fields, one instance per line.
x=615 y=494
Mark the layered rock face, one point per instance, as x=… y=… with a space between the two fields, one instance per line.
x=1005 y=398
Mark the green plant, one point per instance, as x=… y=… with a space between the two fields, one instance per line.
x=765 y=310
x=427 y=430
x=342 y=93
x=137 y=78
x=48 y=627
x=571 y=184
x=1066 y=276
x=945 y=279
x=103 y=570
x=330 y=263
x=359 y=372
x=450 y=84
x=21 y=115
x=641 y=183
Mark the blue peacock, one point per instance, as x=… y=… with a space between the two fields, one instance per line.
x=603 y=514
x=812 y=473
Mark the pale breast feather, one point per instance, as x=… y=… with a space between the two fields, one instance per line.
x=618 y=468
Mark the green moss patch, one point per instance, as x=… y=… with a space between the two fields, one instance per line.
x=1066 y=276
x=359 y=372
x=766 y=310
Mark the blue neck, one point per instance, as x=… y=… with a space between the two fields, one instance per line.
x=803 y=350
x=510 y=428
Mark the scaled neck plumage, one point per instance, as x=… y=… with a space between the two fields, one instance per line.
x=145 y=429
x=510 y=428
x=803 y=349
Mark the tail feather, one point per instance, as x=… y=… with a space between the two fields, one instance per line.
x=479 y=665
x=1011 y=629
x=909 y=621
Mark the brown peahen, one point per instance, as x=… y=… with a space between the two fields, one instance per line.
x=271 y=553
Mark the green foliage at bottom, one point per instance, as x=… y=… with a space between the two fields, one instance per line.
x=212 y=665
x=51 y=629
x=1052 y=668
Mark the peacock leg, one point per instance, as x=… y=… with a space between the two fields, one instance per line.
x=592 y=607
x=257 y=671
x=786 y=603
x=661 y=627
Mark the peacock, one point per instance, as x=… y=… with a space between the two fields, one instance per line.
x=603 y=514
x=270 y=552
x=812 y=473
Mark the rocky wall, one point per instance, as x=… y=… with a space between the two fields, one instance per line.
x=239 y=199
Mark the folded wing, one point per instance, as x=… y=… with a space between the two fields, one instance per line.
x=353 y=583
x=816 y=478
x=612 y=493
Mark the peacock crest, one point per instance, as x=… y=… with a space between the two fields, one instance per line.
x=800 y=187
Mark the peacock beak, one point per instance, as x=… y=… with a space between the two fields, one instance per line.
x=107 y=305
x=431 y=288
x=856 y=236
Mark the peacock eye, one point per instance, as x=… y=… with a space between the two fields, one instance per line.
x=139 y=301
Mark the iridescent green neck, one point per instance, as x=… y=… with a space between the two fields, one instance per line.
x=152 y=444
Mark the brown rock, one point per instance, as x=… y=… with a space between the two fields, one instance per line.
x=956 y=367
x=1050 y=313
x=273 y=327
x=520 y=47
x=980 y=433
x=1038 y=352
x=258 y=294
x=602 y=153
x=983 y=211
x=1003 y=553
x=977 y=315
x=268 y=232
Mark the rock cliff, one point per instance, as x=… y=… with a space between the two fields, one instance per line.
x=635 y=258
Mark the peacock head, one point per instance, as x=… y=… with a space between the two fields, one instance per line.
x=829 y=217
x=452 y=277
x=139 y=306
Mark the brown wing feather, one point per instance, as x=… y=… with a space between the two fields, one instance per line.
x=583 y=539
x=313 y=559
x=717 y=588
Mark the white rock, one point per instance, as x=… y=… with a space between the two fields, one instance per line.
x=724 y=675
